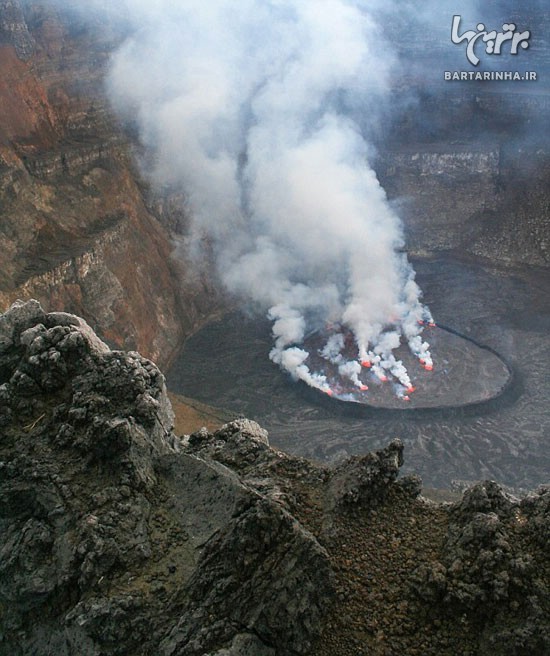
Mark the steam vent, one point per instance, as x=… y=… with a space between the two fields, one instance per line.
x=464 y=373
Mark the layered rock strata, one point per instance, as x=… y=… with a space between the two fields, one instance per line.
x=78 y=228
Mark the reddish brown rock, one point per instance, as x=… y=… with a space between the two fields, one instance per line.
x=78 y=231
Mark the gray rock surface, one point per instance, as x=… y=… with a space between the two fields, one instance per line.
x=489 y=569
x=365 y=479
x=14 y=30
x=113 y=540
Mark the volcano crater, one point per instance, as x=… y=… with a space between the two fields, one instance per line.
x=465 y=373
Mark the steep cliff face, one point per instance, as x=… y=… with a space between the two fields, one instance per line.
x=14 y=31
x=487 y=200
x=77 y=231
x=468 y=162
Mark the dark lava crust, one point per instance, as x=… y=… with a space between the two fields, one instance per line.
x=465 y=374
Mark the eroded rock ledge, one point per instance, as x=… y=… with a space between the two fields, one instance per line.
x=118 y=537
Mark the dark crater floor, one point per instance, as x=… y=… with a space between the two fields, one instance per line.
x=505 y=439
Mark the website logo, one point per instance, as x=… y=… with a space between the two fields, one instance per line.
x=494 y=41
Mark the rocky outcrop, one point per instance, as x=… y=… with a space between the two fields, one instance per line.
x=113 y=538
x=365 y=480
x=492 y=566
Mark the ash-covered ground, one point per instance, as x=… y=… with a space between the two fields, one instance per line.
x=227 y=365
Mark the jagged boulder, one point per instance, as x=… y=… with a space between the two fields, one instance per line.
x=490 y=569
x=365 y=480
x=263 y=573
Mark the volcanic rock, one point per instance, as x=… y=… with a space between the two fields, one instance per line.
x=14 y=29
x=366 y=479
x=486 y=569
x=113 y=540
x=79 y=229
x=118 y=537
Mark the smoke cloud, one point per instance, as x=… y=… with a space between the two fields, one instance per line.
x=260 y=110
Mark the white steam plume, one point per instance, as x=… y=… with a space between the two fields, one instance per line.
x=250 y=107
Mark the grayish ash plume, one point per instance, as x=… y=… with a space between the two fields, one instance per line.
x=249 y=108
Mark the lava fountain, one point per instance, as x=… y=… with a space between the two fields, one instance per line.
x=467 y=373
